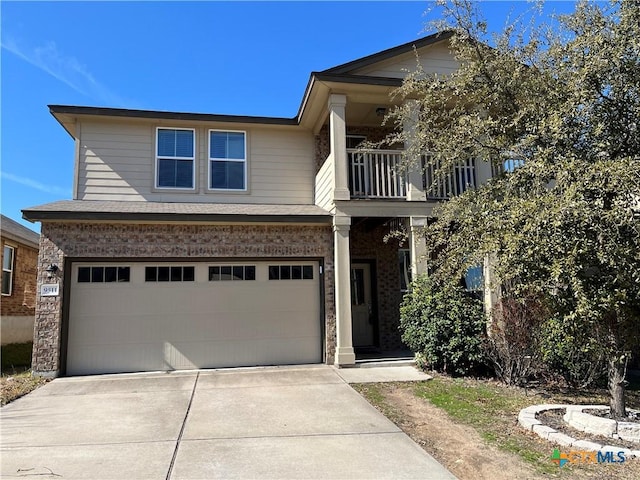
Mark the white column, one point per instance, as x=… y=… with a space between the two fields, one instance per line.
x=418 y=246
x=342 y=268
x=415 y=189
x=491 y=290
x=338 y=140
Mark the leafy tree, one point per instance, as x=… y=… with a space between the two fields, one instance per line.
x=561 y=102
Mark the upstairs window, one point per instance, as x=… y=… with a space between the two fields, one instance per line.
x=175 y=158
x=227 y=160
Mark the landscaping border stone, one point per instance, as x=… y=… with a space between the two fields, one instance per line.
x=528 y=420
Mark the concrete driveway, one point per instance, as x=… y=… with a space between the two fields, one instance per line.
x=293 y=422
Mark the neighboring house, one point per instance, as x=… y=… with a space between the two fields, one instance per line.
x=201 y=240
x=19 y=272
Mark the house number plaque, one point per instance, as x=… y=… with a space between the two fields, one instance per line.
x=50 y=290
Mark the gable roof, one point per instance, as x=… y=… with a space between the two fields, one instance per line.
x=348 y=67
x=340 y=74
x=18 y=233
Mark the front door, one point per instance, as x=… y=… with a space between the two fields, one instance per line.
x=362 y=318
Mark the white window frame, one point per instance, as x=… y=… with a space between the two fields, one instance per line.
x=193 y=160
x=211 y=159
x=11 y=268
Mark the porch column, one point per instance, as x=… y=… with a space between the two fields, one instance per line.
x=418 y=246
x=338 y=140
x=342 y=267
x=415 y=189
x=491 y=290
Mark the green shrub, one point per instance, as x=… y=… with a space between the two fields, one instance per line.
x=445 y=324
x=572 y=353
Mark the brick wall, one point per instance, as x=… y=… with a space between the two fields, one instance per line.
x=368 y=244
x=21 y=302
x=60 y=240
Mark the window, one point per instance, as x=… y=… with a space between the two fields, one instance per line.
x=169 y=274
x=103 y=274
x=290 y=272
x=232 y=272
x=354 y=141
x=404 y=262
x=227 y=160
x=7 y=269
x=175 y=158
x=511 y=164
x=474 y=278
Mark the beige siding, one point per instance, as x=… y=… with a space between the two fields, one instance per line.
x=117 y=162
x=324 y=184
x=434 y=59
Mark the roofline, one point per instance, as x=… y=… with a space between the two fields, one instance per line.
x=391 y=52
x=18 y=233
x=35 y=215
x=342 y=78
x=21 y=240
x=161 y=114
x=334 y=74
x=359 y=79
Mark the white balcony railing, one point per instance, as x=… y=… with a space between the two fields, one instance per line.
x=441 y=185
x=380 y=174
x=376 y=174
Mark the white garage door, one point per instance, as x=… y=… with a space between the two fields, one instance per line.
x=131 y=317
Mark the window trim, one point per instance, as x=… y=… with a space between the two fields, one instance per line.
x=12 y=268
x=193 y=160
x=211 y=159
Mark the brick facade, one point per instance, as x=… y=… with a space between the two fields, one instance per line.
x=369 y=244
x=22 y=301
x=106 y=240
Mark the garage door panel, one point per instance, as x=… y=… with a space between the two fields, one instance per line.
x=141 y=325
x=236 y=353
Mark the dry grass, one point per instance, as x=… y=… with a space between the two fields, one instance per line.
x=490 y=409
x=15 y=386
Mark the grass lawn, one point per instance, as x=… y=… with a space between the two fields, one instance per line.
x=16 y=379
x=490 y=409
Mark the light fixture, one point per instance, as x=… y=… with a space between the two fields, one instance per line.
x=381 y=111
x=52 y=270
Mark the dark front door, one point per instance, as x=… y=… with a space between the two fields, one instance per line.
x=362 y=311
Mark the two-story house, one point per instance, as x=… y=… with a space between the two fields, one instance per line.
x=203 y=240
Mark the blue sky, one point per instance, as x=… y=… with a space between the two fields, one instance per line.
x=244 y=58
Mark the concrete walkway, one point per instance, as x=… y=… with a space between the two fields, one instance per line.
x=287 y=422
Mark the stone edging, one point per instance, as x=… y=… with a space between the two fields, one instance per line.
x=607 y=427
x=527 y=419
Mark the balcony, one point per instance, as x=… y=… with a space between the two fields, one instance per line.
x=380 y=174
x=376 y=174
x=442 y=185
